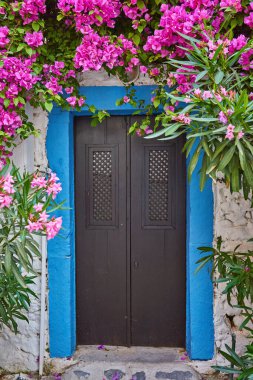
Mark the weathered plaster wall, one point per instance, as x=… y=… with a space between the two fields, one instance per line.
x=21 y=352
x=232 y=219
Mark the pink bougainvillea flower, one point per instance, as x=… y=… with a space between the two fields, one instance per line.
x=4 y=40
x=148 y=130
x=126 y=99
x=72 y=100
x=143 y=69
x=69 y=90
x=34 y=39
x=81 y=102
x=154 y=72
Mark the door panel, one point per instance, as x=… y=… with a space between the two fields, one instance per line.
x=101 y=231
x=130 y=236
x=157 y=243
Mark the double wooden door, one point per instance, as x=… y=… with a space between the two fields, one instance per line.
x=130 y=236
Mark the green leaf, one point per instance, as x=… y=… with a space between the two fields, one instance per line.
x=218 y=76
x=220 y=148
x=200 y=75
x=49 y=106
x=29 y=51
x=203 y=175
x=136 y=39
x=92 y=109
x=32 y=247
x=204 y=119
x=227 y=158
x=241 y=154
x=35 y=26
x=18 y=276
x=194 y=161
x=188 y=146
x=6 y=102
x=140 y=4
x=217 y=52
x=8 y=260
x=156 y=102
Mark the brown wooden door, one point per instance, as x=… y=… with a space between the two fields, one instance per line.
x=130 y=237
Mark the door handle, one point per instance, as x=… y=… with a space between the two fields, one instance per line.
x=136 y=264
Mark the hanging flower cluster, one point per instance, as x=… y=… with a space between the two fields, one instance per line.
x=39 y=220
x=41 y=190
x=6 y=190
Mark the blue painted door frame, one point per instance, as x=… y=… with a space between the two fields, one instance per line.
x=61 y=251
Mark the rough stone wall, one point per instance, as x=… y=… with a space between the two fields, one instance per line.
x=232 y=220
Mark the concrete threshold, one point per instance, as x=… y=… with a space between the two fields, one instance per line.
x=134 y=363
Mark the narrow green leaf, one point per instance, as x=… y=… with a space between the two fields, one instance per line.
x=8 y=260
x=227 y=157
x=203 y=175
x=200 y=75
x=194 y=161
x=218 y=77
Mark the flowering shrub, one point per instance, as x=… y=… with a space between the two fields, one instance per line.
x=26 y=203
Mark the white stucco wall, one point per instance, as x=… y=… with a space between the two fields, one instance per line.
x=232 y=220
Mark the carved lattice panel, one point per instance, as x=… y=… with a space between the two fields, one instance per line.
x=102 y=186
x=158 y=185
x=158 y=208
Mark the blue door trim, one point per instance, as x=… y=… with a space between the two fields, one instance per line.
x=61 y=251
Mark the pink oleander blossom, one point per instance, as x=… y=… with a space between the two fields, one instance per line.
x=38 y=207
x=182 y=118
x=34 y=226
x=53 y=185
x=223 y=118
x=230 y=132
x=207 y=95
x=53 y=227
x=39 y=182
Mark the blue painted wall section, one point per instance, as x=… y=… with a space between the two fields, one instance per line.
x=61 y=251
x=199 y=325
